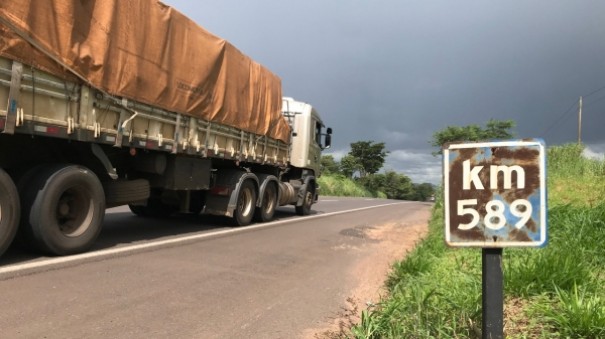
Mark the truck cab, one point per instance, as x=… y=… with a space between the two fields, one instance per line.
x=309 y=135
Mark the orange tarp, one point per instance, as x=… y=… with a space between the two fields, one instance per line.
x=145 y=51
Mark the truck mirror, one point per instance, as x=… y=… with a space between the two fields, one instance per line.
x=329 y=131
x=328 y=140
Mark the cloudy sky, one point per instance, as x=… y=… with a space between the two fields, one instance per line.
x=396 y=71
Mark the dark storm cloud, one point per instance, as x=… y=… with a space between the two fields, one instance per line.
x=397 y=71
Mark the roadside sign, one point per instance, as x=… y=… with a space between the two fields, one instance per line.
x=495 y=194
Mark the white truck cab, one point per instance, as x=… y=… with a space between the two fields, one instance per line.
x=307 y=134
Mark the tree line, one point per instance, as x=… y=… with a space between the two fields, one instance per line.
x=366 y=158
x=363 y=163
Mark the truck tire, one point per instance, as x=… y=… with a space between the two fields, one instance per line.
x=63 y=209
x=265 y=212
x=9 y=211
x=246 y=200
x=305 y=208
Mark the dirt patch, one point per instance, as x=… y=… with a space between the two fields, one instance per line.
x=390 y=243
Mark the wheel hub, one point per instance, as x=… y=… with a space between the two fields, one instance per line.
x=73 y=212
x=63 y=209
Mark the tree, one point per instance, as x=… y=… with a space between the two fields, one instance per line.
x=328 y=165
x=397 y=186
x=349 y=165
x=369 y=156
x=495 y=129
x=391 y=183
x=374 y=183
x=423 y=191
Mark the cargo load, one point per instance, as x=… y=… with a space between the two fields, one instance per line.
x=145 y=51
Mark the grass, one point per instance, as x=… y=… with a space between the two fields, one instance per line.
x=338 y=185
x=553 y=292
x=573 y=179
x=578 y=313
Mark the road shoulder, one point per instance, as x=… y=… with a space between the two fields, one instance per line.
x=388 y=243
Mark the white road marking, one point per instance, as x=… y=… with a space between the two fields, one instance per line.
x=48 y=264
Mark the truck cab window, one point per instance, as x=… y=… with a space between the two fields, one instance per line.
x=318 y=132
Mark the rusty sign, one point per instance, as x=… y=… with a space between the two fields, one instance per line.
x=495 y=194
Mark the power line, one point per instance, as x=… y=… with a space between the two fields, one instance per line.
x=593 y=92
x=595 y=101
x=561 y=118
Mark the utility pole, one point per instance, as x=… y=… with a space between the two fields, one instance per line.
x=580 y=121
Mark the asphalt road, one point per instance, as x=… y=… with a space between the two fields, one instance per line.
x=196 y=277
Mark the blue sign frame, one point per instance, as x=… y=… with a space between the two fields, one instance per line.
x=495 y=194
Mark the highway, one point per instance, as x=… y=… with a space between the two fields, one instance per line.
x=198 y=277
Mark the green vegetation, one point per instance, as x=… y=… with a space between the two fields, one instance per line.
x=388 y=185
x=369 y=156
x=364 y=159
x=356 y=174
x=573 y=179
x=554 y=292
x=494 y=129
x=339 y=185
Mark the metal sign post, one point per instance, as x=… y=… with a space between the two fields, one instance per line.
x=493 y=293
x=495 y=197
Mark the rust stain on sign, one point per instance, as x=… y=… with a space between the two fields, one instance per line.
x=495 y=194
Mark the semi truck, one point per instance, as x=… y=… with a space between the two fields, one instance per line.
x=131 y=103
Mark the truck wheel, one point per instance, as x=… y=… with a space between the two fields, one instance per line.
x=63 y=209
x=9 y=211
x=266 y=211
x=305 y=208
x=246 y=200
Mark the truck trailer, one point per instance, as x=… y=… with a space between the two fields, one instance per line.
x=129 y=102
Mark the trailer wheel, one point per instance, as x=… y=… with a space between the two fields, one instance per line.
x=63 y=207
x=9 y=211
x=305 y=208
x=246 y=200
x=266 y=211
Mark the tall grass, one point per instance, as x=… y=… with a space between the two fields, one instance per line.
x=556 y=291
x=574 y=179
x=577 y=313
x=338 y=185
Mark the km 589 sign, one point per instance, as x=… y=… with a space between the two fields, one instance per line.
x=495 y=194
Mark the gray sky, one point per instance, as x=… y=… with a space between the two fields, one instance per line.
x=396 y=71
